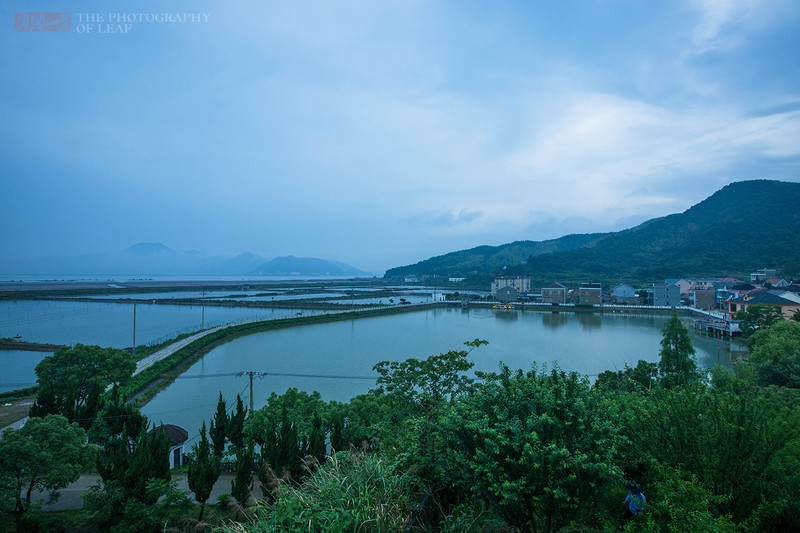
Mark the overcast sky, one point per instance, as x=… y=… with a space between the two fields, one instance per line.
x=382 y=133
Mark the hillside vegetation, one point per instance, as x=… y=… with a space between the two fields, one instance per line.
x=744 y=226
x=482 y=259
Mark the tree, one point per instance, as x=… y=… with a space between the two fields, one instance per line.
x=438 y=377
x=421 y=390
x=636 y=379
x=235 y=429
x=204 y=470
x=733 y=438
x=676 y=366
x=72 y=380
x=758 y=316
x=219 y=425
x=242 y=482
x=132 y=461
x=115 y=418
x=45 y=454
x=775 y=354
x=283 y=430
x=136 y=488
x=534 y=446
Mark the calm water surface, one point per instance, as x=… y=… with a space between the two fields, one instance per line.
x=111 y=324
x=17 y=368
x=586 y=343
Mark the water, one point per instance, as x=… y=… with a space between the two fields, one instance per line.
x=586 y=343
x=111 y=324
x=18 y=368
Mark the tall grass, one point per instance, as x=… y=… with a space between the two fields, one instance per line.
x=352 y=491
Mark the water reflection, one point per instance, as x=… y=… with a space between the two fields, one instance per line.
x=506 y=315
x=590 y=321
x=352 y=347
x=554 y=319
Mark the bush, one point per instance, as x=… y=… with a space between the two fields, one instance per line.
x=350 y=492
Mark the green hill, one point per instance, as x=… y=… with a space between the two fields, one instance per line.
x=483 y=259
x=742 y=227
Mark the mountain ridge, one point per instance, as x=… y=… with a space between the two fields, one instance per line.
x=741 y=227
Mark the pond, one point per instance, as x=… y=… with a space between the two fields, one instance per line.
x=111 y=324
x=307 y=355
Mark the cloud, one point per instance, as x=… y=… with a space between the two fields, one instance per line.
x=608 y=152
x=724 y=25
x=444 y=219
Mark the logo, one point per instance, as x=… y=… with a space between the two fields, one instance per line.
x=36 y=22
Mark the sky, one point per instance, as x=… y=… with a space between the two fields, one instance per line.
x=382 y=133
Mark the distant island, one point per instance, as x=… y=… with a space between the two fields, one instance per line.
x=156 y=259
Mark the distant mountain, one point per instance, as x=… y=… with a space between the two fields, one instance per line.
x=306 y=266
x=149 y=249
x=742 y=227
x=156 y=259
x=484 y=259
x=241 y=264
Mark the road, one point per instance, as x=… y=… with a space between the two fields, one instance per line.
x=71 y=496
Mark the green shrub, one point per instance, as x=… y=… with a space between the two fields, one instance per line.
x=350 y=492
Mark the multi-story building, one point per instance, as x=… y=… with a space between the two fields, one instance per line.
x=704 y=298
x=555 y=293
x=591 y=294
x=762 y=275
x=523 y=285
x=666 y=295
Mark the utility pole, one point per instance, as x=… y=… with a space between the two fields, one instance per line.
x=134 y=332
x=251 y=373
x=203 y=314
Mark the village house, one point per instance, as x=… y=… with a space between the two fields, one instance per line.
x=555 y=293
x=704 y=298
x=591 y=294
x=623 y=294
x=666 y=295
x=523 y=285
x=177 y=438
x=507 y=294
x=760 y=276
x=789 y=302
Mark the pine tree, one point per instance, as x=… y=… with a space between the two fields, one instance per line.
x=204 y=470
x=337 y=430
x=242 y=482
x=218 y=431
x=676 y=366
x=289 y=448
x=316 y=440
x=236 y=424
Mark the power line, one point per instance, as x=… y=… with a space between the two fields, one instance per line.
x=280 y=374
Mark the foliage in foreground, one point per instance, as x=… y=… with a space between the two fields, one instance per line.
x=511 y=451
x=350 y=492
x=46 y=454
x=536 y=446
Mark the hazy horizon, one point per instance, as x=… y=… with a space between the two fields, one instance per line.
x=381 y=134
